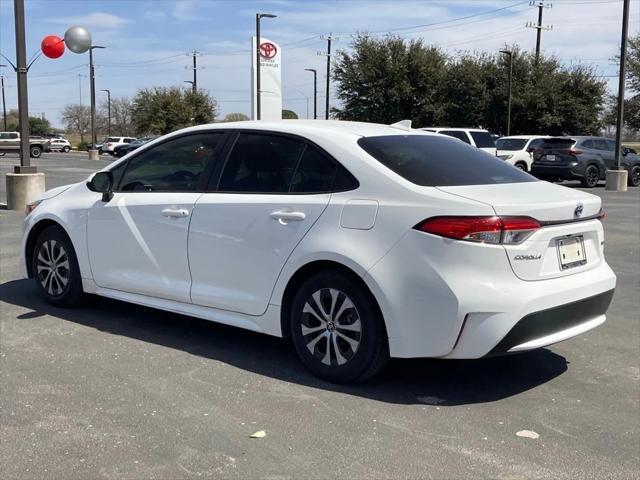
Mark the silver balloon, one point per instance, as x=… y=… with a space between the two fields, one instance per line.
x=77 y=39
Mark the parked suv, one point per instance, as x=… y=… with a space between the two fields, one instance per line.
x=10 y=143
x=111 y=143
x=59 y=145
x=473 y=136
x=517 y=150
x=582 y=158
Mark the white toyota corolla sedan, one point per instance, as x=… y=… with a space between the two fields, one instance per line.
x=358 y=241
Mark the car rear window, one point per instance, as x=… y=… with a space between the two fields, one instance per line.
x=434 y=161
x=511 y=144
x=483 y=139
x=113 y=140
x=557 y=143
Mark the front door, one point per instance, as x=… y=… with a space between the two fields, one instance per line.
x=271 y=192
x=138 y=240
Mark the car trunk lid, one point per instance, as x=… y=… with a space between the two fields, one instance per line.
x=570 y=239
x=555 y=150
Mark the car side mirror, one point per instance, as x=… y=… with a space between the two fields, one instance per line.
x=102 y=182
x=625 y=151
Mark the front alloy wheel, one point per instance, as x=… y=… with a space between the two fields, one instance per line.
x=55 y=268
x=52 y=264
x=634 y=176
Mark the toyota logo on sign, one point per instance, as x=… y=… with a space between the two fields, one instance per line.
x=268 y=50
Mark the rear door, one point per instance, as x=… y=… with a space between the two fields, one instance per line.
x=270 y=192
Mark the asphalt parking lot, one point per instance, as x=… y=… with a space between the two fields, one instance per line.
x=113 y=390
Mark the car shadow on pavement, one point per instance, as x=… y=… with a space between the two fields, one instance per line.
x=418 y=381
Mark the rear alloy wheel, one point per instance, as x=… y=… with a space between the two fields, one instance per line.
x=591 y=177
x=634 y=176
x=337 y=329
x=521 y=166
x=66 y=149
x=55 y=268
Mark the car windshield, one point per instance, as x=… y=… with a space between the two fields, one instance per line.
x=433 y=160
x=483 y=139
x=511 y=143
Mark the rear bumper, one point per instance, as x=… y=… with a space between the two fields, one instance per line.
x=448 y=299
x=565 y=171
x=555 y=324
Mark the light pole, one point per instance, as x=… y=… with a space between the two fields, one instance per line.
x=315 y=91
x=108 y=110
x=4 y=105
x=307 y=99
x=510 y=54
x=93 y=153
x=617 y=179
x=258 y=17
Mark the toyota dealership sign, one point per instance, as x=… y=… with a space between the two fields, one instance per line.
x=270 y=80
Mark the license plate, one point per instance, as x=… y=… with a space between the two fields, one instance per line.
x=551 y=158
x=571 y=252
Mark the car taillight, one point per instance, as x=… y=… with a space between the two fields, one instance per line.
x=601 y=214
x=571 y=151
x=494 y=230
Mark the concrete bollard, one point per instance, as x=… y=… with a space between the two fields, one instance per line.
x=23 y=188
x=93 y=154
x=616 y=180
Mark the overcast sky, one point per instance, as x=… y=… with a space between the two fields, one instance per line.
x=147 y=40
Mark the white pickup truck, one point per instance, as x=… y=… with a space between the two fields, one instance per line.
x=10 y=143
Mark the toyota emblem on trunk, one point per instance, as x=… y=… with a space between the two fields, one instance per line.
x=578 y=211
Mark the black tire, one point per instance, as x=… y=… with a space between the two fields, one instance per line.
x=634 y=176
x=591 y=176
x=52 y=244
x=35 y=151
x=346 y=364
x=66 y=149
x=521 y=166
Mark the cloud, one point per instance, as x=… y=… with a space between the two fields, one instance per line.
x=95 y=20
x=154 y=15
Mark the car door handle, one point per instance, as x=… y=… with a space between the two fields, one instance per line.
x=175 y=212
x=286 y=216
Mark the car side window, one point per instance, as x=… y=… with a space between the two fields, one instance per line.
x=460 y=135
x=611 y=145
x=535 y=143
x=315 y=172
x=588 y=144
x=261 y=163
x=173 y=166
x=600 y=144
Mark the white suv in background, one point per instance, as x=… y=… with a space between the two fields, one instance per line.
x=111 y=143
x=473 y=136
x=516 y=150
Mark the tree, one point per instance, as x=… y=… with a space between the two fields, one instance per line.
x=121 y=116
x=389 y=80
x=162 y=110
x=392 y=79
x=235 y=117
x=37 y=126
x=289 y=115
x=77 y=119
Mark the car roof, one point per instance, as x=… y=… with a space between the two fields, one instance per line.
x=524 y=137
x=456 y=129
x=307 y=127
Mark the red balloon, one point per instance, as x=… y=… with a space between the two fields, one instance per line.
x=52 y=46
